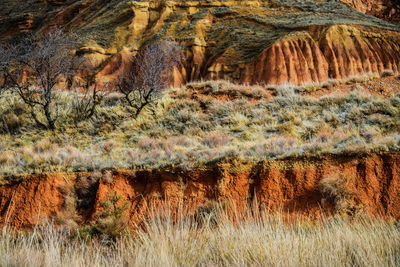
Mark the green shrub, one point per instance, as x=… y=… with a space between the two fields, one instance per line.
x=111 y=221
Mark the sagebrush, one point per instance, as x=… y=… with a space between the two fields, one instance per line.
x=197 y=124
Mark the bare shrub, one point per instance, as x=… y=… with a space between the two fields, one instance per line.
x=336 y=188
x=84 y=104
x=35 y=68
x=149 y=74
x=87 y=96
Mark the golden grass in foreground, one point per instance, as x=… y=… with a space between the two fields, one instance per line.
x=255 y=241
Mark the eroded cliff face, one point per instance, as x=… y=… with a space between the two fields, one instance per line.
x=336 y=52
x=239 y=46
x=272 y=42
x=290 y=186
x=385 y=9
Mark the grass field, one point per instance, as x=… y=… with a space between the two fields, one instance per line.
x=198 y=124
x=214 y=240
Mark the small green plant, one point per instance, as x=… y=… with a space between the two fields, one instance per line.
x=111 y=221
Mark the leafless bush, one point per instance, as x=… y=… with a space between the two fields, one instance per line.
x=35 y=67
x=149 y=74
x=88 y=96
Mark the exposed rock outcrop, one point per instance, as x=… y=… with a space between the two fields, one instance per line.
x=292 y=186
x=336 y=52
x=280 y=63
x=271 y=42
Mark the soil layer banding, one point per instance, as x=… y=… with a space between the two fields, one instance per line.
x=290 y=186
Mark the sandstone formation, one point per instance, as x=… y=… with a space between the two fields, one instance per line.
x=291 y=186
x=271 y=42
x=338 y=52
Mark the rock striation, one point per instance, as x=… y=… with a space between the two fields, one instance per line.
x=337 y=52
x=272 y=42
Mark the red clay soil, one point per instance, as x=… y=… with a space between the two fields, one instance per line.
x=290 y=186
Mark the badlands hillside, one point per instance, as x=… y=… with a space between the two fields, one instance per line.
x=271 y=42
x=273 y=140
x=276 y=142
x=385 y=9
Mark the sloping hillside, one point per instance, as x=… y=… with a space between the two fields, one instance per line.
x=272 y=42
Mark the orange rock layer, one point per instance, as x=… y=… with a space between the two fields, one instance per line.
x=288 y=185
x=337 y=52
x=270 y=42
x=312 y=56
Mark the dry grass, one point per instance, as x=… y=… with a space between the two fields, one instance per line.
x=335 y=187
x=257 y=240
x=197 y=124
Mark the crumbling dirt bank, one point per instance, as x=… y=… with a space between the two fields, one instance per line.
x=292 y=186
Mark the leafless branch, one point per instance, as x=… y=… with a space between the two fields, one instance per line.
x=34 y=67
x=149 y=74
x=87 y=97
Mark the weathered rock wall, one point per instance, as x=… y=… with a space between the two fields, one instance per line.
x=337 y=52
x=291 y=186
x=271 y=42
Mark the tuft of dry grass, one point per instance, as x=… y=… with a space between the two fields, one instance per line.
x=335 y=187
x=255 y=240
